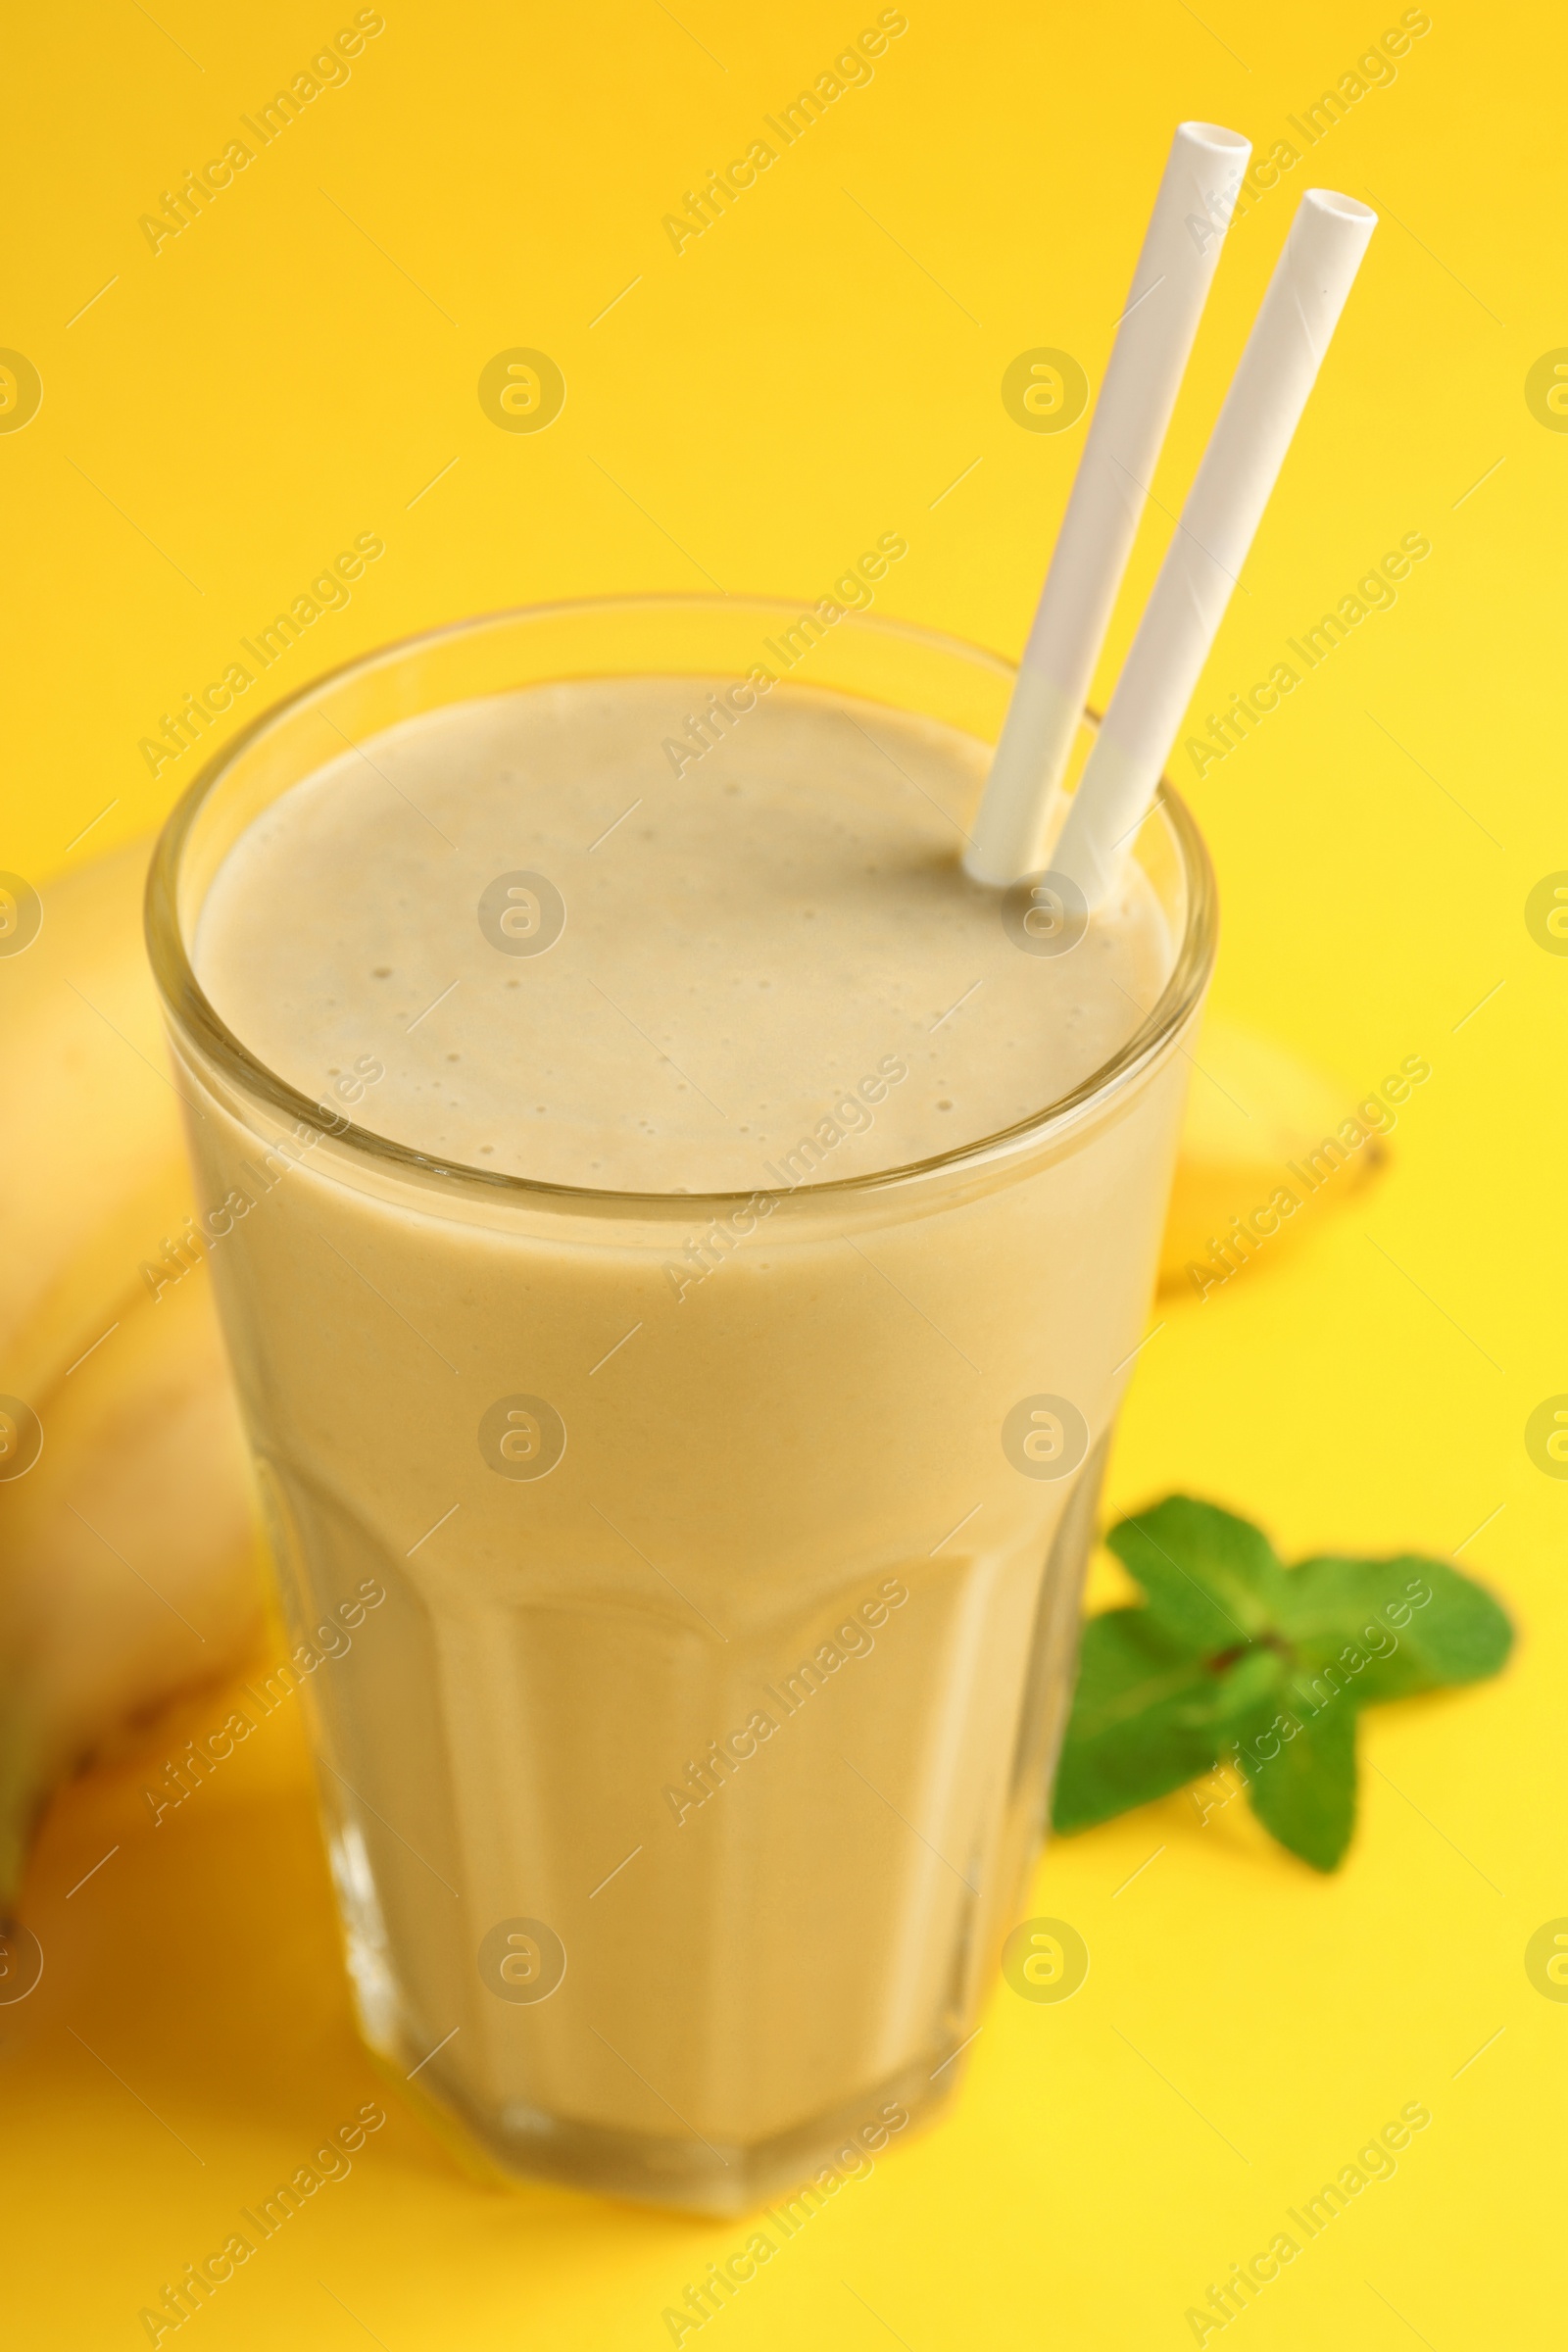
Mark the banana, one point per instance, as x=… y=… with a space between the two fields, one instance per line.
x=126 y=1557
x=127 y=1545
x=1259 y=1124
x=92 y=1165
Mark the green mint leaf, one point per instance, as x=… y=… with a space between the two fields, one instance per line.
x=1306 y=1794
x=1212 y=1579
x=1233 y=1656
x=1387 y=1629
x=1148 y=1717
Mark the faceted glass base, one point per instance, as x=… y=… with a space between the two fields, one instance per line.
x=683 y=2174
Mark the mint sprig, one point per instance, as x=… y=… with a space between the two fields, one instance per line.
x=1236 y=1659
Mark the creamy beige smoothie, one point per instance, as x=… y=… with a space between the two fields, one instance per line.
x=727 y=957
x=681 y=1785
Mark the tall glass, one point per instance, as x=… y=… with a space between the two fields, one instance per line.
x=685 y=1715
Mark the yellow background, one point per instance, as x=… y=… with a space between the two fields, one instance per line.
x=293 y=369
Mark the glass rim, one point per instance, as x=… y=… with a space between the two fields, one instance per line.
x=195 y=1019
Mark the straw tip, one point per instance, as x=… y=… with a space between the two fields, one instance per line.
x=1340 y=207
x=1214 y=137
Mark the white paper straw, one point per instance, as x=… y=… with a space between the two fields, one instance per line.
x=1262 y=409
x=1143 y=376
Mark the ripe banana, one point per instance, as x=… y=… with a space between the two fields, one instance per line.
x=1260 y=1123
x=126 y=1557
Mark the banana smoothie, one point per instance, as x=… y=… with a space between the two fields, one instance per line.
x=680 y=1312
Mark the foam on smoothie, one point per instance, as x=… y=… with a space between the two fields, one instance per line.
x=774 y=947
